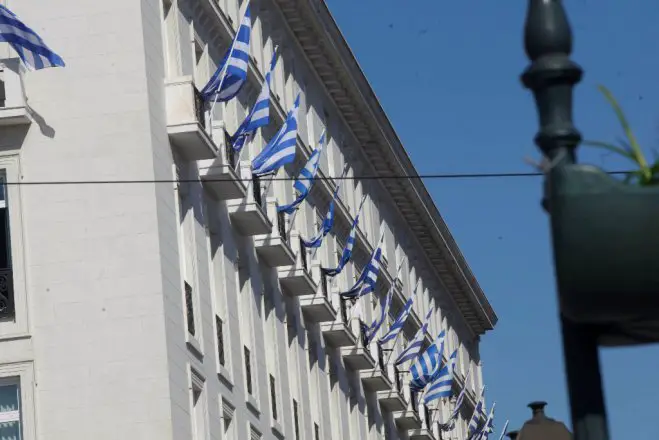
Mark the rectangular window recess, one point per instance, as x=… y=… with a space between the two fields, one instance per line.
x=189 y=309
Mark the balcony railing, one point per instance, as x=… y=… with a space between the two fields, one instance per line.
x=362 y=333
x=231 y=154
x=398 y=379
x=6 y=293
x=199 y=108
x=303 y=256
x=323 y=284
x=381 y=363
x=256 y=183
x=344 y=310
x=414 y=402
x=428 y=416
x=281 y=225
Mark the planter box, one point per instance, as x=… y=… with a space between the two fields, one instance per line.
x=606 y=248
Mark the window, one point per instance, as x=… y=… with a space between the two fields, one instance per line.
x=186 y=254
x=189 y=308
x=316 y=431
x=296 y=420
x=227 y=417
x=312 y=353
x=198 y=408
x=170 y=37
x=10 y=410
x=254 y=433
x=248 y=370
x=273 y=397
x=3 y=96
x=220 y=340
x=6 y=278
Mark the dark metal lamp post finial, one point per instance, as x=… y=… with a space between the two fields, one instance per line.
x=551 y=76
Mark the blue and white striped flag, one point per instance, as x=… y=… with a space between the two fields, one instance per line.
x=28 y=45
x=259 y=116
x=350 y=243
x=281 y=149
x=366 y=282
x=428 y=364
x=306 y=178
x=460 y=400
x=479 y=412
x=398 y=324
x=325 y=227
x=384 y=308
x=442 y=385
x=488 y=427
x=231 y=74
x=414 y=348
x=377 y=323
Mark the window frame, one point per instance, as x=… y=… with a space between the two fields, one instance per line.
x=197 y=384
x=16 y=326
x=182 y=192
x=22 y=374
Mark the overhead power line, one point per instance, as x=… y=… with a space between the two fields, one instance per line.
x=365 y=177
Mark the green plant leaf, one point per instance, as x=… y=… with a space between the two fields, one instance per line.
x=614 y=148
x=639 y=158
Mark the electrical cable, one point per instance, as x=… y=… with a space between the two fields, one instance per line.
x=365 y=177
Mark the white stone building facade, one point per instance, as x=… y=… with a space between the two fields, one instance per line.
x=147 y=309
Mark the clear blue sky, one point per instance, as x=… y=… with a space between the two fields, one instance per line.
x=447 y=74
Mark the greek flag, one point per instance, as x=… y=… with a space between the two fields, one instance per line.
x=427 y=365
x=28 y=45
x=365 y=284
x=488 y=427
x=479 y=412
x=384 y=307
x=414 y=348
x=325 y=227
x=304 y=181
x=259 y=116
x=459 y=401
x=231 y=74
x=350 y=243
x=398 y=324
x=442 y=384
x=281 y=149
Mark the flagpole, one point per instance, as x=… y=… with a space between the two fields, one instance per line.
x=291 y=220
x=224 y=69
x=246 y=144
x=335 y=196
x=465 y=386
x=393 y=284
x=269 y=184
x=503 y=432
x=391 y=353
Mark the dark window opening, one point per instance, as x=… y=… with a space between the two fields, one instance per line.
x=248 y=370
x=296 y=420
x=220 y=340
x=189 y=309
x=273 y=397
x=6 y=273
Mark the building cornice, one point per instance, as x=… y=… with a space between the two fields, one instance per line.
x=336 y=66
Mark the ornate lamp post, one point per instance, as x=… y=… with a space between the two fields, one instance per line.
x=606 y=247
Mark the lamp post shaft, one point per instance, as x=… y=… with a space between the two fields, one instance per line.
x=551 y=77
